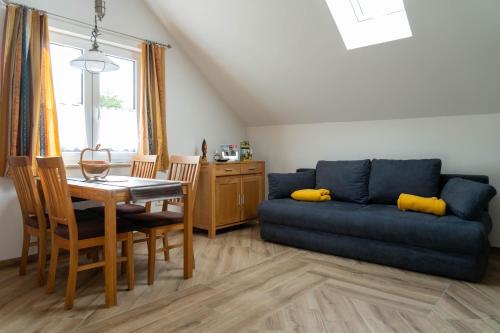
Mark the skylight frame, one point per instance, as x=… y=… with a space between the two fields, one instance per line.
x=363 y=23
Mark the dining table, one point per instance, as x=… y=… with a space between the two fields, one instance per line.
x=110 y=193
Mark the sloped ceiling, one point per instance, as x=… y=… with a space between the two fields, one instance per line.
x=284 y=62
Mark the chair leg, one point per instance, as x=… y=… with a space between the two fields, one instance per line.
x=130 y=260
x=71 y=286
x=166 y=250
x=192 y=252
x=42 y=257
x=123 y=265
x=151 y=256
x=51 y=279
x=24 y=253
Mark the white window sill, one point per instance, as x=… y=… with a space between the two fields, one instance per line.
x=113 y=165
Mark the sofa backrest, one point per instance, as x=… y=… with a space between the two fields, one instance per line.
x=306 y=169
x=444 y=177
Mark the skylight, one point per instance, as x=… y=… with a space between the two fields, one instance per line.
x=368 y=22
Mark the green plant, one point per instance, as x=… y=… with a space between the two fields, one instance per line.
x=111 y=102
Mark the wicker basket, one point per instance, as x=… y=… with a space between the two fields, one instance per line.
x=97 y=169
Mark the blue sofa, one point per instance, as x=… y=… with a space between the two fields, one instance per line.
x=363 y=221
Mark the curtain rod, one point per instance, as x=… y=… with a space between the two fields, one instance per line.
x=87 y=24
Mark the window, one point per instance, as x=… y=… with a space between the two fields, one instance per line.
x=68 y=89
x=95 y=108
x=368 y=22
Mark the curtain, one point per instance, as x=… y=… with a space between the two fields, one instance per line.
x=28 y=118
x=152 y=114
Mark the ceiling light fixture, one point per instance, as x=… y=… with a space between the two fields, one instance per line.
x=94 y=61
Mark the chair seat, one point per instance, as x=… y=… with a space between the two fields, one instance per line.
x=121 y=210
x=33 y=222
x=158 y=219
x=91 y=225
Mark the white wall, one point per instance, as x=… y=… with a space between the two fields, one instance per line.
x=465 y=144
x=194 y=110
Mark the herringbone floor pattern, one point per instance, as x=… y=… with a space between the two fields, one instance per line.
x=243 y=284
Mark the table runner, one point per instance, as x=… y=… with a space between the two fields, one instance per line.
x=141 y=189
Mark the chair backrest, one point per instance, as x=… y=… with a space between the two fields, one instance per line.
x=56 y=192
x=21 y=174
x=144 y=166
x=186 y=169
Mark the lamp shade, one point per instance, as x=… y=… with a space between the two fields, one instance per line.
x=94 y=61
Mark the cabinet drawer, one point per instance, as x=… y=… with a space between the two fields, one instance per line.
x=256 y=167
x=227 y=169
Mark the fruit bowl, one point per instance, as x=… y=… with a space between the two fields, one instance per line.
x=95 y=169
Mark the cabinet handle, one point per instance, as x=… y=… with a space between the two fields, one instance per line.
x=229 y=170
x=251 y=169
x=239 y=199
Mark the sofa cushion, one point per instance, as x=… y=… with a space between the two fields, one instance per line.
x=386 y=223
x=390 y=178
x=281 y=185
x=457 y=266
x=467 y=199
x=346 y=180
x=476 y=178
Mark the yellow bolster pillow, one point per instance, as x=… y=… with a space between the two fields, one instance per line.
x=420 y=204
x=312 y=195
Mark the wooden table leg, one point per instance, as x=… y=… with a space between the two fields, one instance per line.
x=188 y=234
x=110 y=250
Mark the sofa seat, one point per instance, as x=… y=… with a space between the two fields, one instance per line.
x=385 y=223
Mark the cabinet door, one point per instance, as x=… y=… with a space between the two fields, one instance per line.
x=251 y=190
x=227 y=199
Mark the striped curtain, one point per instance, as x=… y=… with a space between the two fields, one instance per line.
x=152 y=114
x=28 y=118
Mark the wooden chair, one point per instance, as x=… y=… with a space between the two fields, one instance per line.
x=75 y=230
x=158 y=225
x=184 y=169
x=34 y=219
x=143 y=166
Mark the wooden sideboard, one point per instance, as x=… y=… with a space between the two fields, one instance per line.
x=228 y=194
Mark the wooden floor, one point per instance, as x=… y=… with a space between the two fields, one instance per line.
x=242 y=284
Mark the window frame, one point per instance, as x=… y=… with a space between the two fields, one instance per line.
x=91 y=93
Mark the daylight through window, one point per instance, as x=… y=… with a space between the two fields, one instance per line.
x=368 y=22
x=95 y=108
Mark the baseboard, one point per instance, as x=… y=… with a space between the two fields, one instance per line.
x=32 y=258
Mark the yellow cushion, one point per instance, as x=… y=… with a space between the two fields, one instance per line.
x=312 y=195
x=420 y=204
